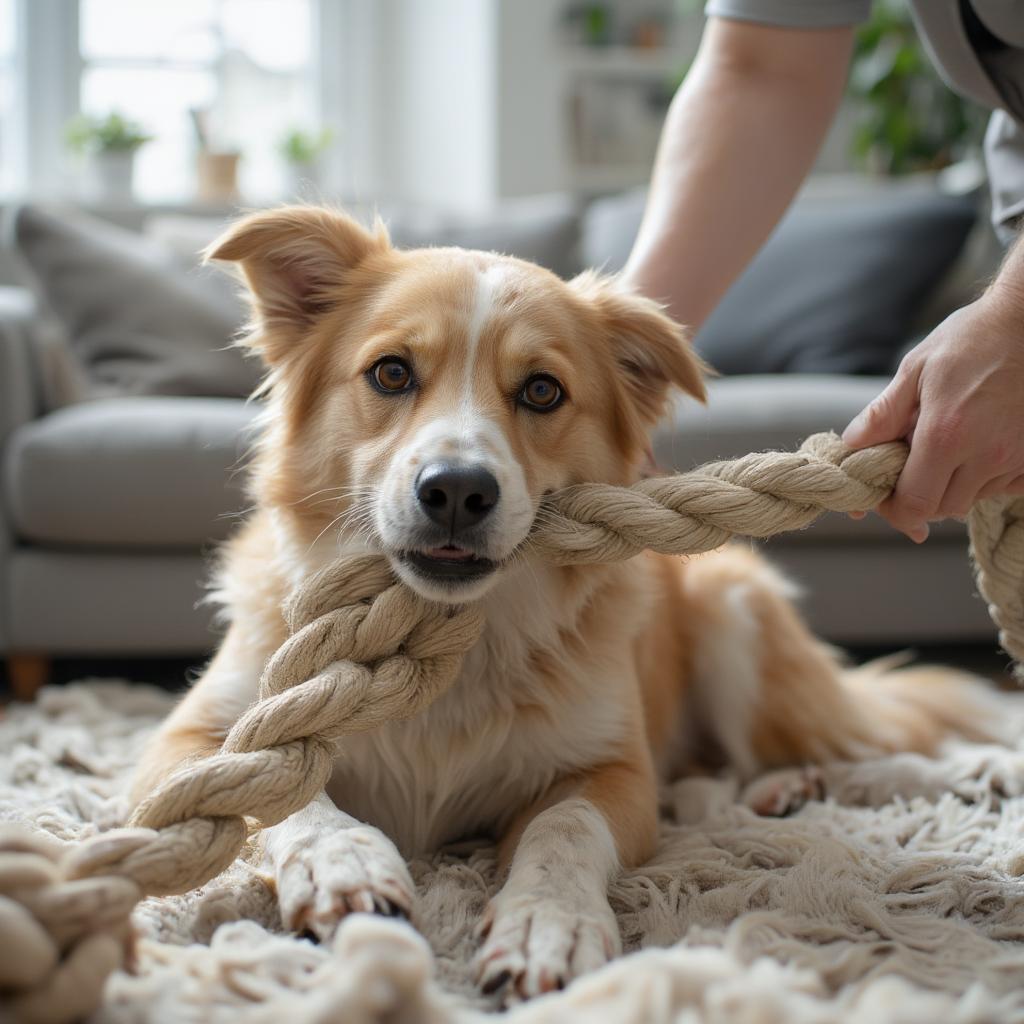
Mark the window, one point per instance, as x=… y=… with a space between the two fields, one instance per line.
x=237 y=73
x=8 y=85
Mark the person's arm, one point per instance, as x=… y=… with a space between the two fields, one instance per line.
x=740 y=136
x=958 y=397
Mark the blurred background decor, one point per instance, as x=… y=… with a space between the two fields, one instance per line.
x=217 y=176
x=302 y=151
x=108 y=146
x=456 y=104
x=621 y=62
x=907 y=119
x=252 y=67
x=216 y=168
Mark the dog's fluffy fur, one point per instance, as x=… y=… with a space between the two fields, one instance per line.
x=589 y=682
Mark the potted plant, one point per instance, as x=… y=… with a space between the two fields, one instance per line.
x=110 y=144
x=302 y=151
x=907 y=119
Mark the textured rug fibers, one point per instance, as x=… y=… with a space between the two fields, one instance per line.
x=898 y=898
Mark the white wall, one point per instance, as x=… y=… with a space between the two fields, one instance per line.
x=470 y=103
x=435 y=123
x=466 y=99
x=531 y=143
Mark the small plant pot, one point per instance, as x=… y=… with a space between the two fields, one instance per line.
x=111 y=175
x=217 y=176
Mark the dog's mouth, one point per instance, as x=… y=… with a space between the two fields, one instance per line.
x=449 y=563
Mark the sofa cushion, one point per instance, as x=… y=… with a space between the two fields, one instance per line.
x=97 y=602
x=165 y=472
x=542 y=229
x=155 y=472
x=762 y=413
x=136 y=320
x=836 y=289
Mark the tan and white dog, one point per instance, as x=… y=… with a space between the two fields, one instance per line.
x=420 y=404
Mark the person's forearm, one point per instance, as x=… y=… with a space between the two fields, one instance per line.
x=740 y=136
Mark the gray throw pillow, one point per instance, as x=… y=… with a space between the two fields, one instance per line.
x=136 y=321
x=139 y=319
x=542 y=229
x=836 y=289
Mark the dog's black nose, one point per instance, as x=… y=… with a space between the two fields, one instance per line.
x=456 y=496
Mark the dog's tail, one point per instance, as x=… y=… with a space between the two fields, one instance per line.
x=913 y=707
x=883 y=707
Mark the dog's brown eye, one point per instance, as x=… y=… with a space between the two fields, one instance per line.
x=541 y=393
x=391 y=375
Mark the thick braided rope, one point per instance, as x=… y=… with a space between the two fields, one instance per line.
x=997 y=550
x=755 y=496
x=365 y=650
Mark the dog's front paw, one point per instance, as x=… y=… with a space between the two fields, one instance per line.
x=538 y=943
x=322 y=879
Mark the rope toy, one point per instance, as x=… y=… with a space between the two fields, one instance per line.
x=364 y=650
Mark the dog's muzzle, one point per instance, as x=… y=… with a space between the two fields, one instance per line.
x=455 y=499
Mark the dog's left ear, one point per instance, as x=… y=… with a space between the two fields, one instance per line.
x=653 y=351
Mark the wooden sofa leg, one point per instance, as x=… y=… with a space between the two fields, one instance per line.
x=27 y=673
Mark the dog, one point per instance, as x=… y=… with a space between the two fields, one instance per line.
x=421 y=404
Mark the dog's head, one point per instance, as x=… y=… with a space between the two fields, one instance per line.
x=426 y=400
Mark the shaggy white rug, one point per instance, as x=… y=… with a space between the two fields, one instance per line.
x=897 y=899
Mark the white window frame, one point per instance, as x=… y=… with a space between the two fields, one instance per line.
x=350 y=52
x=48 y=72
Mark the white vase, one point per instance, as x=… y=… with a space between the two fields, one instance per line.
x=302 y=181
x=111 y=174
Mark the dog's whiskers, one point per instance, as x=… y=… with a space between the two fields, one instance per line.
x=520 y=557
x=336 y=519
x=338 y=491
x=358 y=521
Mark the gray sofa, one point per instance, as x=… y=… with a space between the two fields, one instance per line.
x=112 y=506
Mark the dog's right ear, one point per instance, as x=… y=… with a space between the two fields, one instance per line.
x=294 y=260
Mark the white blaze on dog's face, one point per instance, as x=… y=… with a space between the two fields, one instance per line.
x=435 y=396
x=452 y=499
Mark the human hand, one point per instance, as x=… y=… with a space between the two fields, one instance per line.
x=958 y=399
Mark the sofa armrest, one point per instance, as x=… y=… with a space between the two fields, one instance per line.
x=19 y=383
x=20 y=402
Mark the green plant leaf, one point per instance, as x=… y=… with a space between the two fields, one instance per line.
x=907 y=119
x=111 y=134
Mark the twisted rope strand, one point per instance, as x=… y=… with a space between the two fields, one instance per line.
x=758 y=495
x=996 y=528
x=364 y=650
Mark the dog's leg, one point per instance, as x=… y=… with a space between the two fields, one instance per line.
x=326 y=864
x=551 y=921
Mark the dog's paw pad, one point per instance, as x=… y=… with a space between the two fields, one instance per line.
x=355 y=870
x=534 y=946
x=780 y=793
